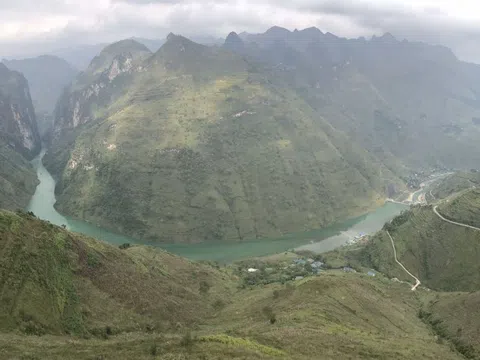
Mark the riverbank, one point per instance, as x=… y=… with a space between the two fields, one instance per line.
x=320 y=240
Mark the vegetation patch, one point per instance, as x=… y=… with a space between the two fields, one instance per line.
x=245 y=343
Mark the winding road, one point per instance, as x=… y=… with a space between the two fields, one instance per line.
x=417 y=283
x=453 y=222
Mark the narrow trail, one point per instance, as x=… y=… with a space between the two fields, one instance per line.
x=403 y=267
x=453 y=222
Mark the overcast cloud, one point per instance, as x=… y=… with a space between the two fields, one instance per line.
x=32 y=27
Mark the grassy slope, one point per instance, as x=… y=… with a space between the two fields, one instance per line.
x=336 y=315
x=464 y=208
x=455 y=183
x=188 y=165
x=332 y=316
x=57 y=282
x=456 y=316
x=17 y=179
x=139 y=302
x=443 y=256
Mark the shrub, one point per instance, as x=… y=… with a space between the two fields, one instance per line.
x=276 y=294
x=124 y=246
x=92 y=259
x=204 y=287
x=32 y=328
x=269 y=313
x=108 y=330
x=219 y=304
x=153 y=350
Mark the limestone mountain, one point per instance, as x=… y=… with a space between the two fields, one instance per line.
x=196 y=143
x=407 y=102
x=18 y=125
x=47 y=77
x=234 y=42
x=80 y=56
x=19 y=141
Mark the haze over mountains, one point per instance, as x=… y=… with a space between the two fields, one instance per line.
x=262 y=135
x=206 y=133
x=316 y=115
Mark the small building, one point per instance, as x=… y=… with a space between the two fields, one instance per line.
x=299 y=262
x=317 y=264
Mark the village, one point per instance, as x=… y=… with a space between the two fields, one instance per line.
x=288 y=267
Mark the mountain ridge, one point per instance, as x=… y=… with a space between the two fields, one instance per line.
x=221 y=112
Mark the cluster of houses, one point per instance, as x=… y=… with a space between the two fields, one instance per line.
x=348 y=269
x=298 y=269
x=316 y=266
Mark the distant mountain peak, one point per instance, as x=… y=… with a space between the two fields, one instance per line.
x=177 y=39
x=178 y=44
x=277 y=30
x=312 y=30
x=124 y=46
x=171 y=36
x=385 y=38
x=233 y=34
x=234 y=42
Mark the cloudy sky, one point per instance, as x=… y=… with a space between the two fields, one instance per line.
x=29 y=27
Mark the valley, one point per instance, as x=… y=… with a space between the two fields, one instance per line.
x=322 y=240
x=277 y=195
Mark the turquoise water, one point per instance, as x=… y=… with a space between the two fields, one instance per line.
x=42 y=204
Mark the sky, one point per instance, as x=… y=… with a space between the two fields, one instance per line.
x=33 y=27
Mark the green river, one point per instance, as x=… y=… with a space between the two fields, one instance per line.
x=326 y=239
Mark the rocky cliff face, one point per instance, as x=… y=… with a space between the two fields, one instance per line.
x=18 y=125
x=99 y=85
x=19 y=141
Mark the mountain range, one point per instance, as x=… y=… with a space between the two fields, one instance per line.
x=208 y=143
x=268 y=134
x=265 y=134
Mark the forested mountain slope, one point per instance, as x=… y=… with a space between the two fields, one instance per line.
x=195 y=143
